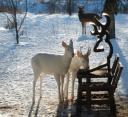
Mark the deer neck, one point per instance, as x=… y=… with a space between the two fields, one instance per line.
x=66 y=60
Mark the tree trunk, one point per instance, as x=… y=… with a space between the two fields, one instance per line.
x=112 y=26
x=17 y=33
x=52 y=6
x=110 y=7
x=69 y=7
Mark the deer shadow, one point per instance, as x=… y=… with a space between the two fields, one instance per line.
x=37 y=109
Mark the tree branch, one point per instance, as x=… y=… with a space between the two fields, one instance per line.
x=23 y=17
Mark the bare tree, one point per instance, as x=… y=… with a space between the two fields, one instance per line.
x=69 y=7
x=12 y=8
x=52 y=6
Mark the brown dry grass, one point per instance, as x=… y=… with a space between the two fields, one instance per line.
x=9 y=10
x=122 y=106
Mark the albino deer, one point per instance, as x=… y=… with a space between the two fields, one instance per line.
x=56 y=65
x=78 y=61
x=86 y=17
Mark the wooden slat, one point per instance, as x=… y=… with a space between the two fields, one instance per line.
x=96 y=86
x=95 y=74
x=115 y=63
x=117 y=76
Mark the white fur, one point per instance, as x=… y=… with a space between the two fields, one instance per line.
x=56 y=65
x=78 y=61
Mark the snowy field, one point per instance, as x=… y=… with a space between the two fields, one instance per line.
x=43 y=34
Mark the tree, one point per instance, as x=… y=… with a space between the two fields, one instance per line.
x=110 y=7
x=69 y=7
x=12 y=8
x=52 y=6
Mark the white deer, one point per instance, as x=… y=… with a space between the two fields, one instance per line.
x=56 y=65
x=78 y=61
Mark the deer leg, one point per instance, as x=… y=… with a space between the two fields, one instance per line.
x=33 y=99
x=66 y=87
x=85 y=28
x=57 y=77
x=36 y=75
x=73 y=81
x=40 y=87
x=82 y=28
x=61 y=88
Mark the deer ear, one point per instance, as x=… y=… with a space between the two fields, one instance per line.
x=79 y=54
x=64 y=44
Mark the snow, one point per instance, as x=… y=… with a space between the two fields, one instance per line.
x=44 y=33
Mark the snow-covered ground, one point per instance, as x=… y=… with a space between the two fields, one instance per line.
x=44 y=33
